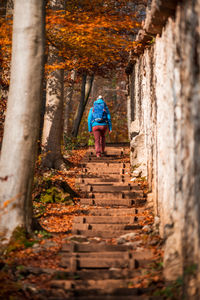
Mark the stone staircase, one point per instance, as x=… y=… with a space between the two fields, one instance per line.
x=101 y=258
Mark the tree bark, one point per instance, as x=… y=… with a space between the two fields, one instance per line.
x=22 y=118
x=53 y=122
x=9 y=7
x=68 y=101
x=85 y=94
x=53 y=119
x=3 y=6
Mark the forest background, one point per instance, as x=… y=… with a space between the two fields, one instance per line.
x=98 y=37
x=85 y=47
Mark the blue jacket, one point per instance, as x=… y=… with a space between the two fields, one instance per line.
x=92 y=124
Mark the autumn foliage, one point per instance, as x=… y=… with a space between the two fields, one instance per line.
x=92 y=36
x=5 y=50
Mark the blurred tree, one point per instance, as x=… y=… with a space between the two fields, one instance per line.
x=87 y=82
x=68 y=100
x=53 y=118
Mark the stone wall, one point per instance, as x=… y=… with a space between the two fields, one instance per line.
x=164 y=129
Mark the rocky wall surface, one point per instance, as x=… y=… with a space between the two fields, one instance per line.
x=164 y=105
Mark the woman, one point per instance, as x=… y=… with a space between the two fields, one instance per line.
x=99 y=120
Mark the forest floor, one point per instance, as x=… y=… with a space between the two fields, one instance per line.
x=29 y=264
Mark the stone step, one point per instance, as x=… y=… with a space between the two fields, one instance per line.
x=107 y=285
x=108 y=159
x=108 y=165
x=83 y=247
x=106 y=179
x=115 y=211
x=119 y=255
x=107 y=234
x=85 y=178
x=104 y=260
x=74 y=263
x=107 y=219
x=112 y=202
x=115 y=288
x=116 y=195
x=102 y=171
x=109 y=152
x=110 y=188
x=103 y=274
x=105 y=227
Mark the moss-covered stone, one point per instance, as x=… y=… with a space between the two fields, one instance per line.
x=55 y=195
x=49 y=190
x=18 y=240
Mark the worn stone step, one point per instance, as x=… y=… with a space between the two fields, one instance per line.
x=91 y=247
x=105 y=227
x=106 y=180
x=108 y=165
x=112 y=202
x=84 y=274
x=116 y=195
x=107 y=219
x=105 y=260
x=109 y=188
x=102 y=171
x=119 y=255
x=107 y=285
x=101 y=234
x=110 y=287
x=97 y=262
x=101 y=211
x=108 y=158
x=84 y=178
x=106 y=202
x=109 y=152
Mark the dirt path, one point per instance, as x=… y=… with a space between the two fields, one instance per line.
x=111 y=251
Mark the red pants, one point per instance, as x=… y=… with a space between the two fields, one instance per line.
x=100 y=139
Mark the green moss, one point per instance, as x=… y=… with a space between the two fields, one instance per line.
x=49 y=190
x=19 y=239
x=91 y=141
x=54 y=194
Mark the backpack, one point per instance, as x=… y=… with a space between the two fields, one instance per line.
x=99 y=113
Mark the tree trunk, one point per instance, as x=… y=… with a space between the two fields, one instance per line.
x=22 y=118
x=3 y=6
x=69 y=95
x=53 y=119
x=10 y=6
x=53 y=122
x=85 y=94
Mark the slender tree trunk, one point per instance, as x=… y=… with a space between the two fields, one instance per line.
x=3 y=5
x=10 y=6
x=53 y=122
x=53 y=119
x=85 y=94
x=22 y=118
x=67 y=110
